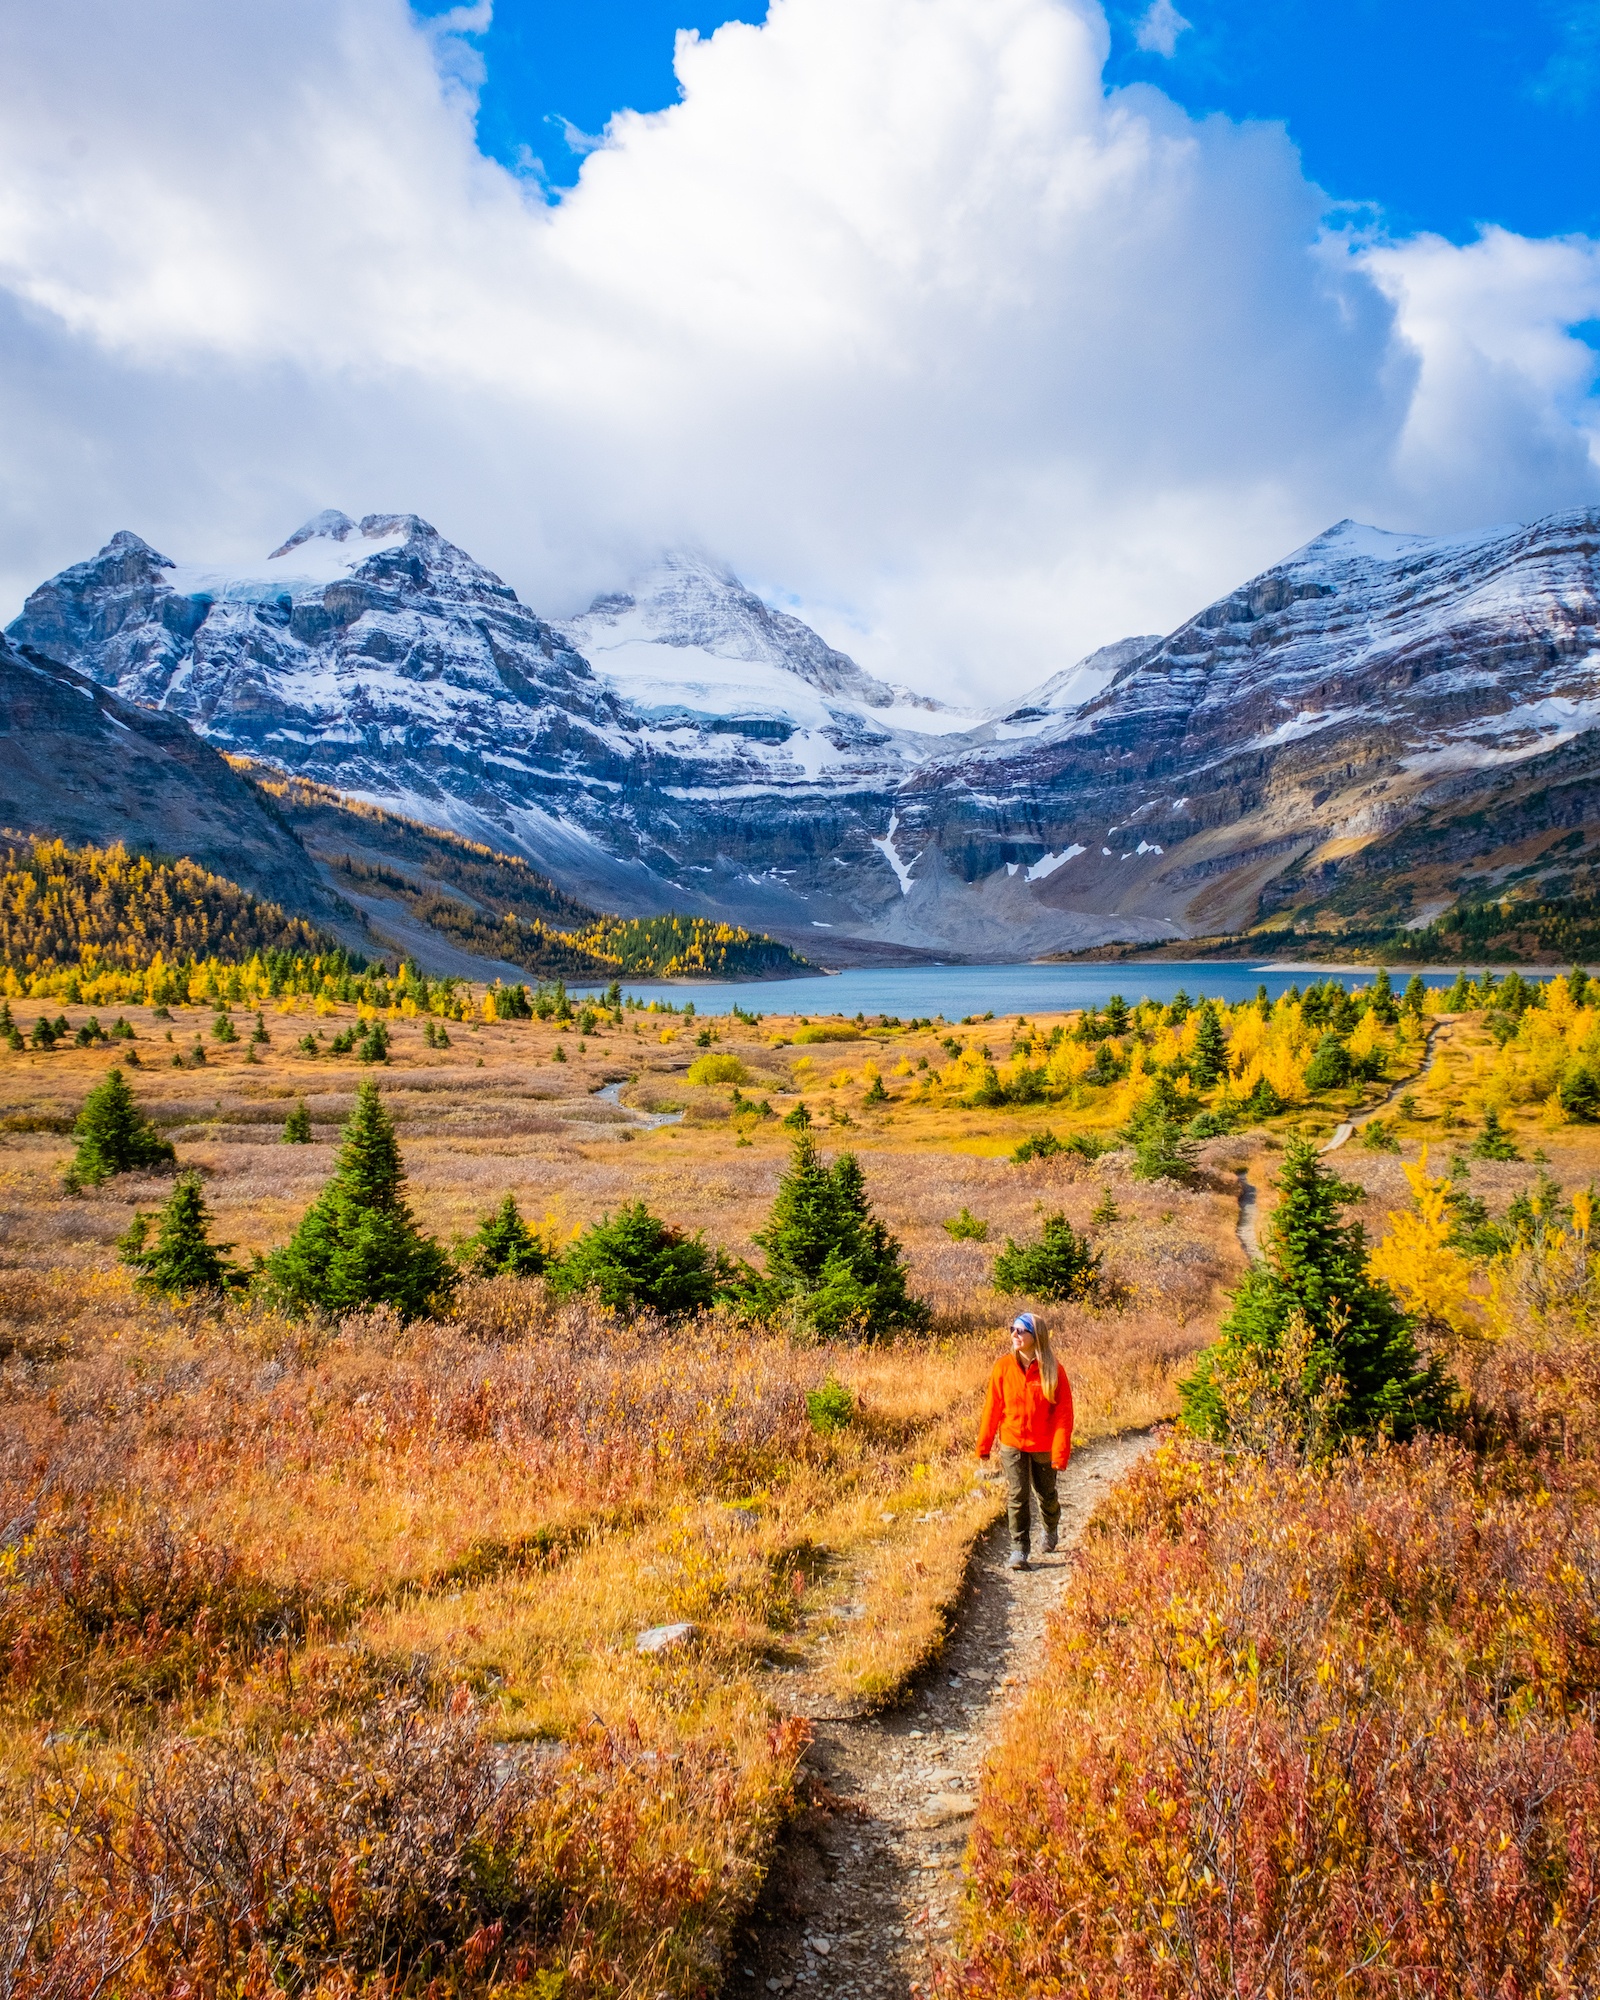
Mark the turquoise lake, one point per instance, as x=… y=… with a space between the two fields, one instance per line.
x=913 y=992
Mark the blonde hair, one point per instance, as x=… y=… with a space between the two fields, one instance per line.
x=1049 y=1371
x=1049 y=1368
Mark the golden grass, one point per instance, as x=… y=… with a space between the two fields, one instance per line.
x=490 y=1510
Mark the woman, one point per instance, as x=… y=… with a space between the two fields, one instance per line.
x=1029 y=1407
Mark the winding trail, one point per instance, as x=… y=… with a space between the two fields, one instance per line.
x=1249 y=1201
x=867 y=1879
x=1350 y=1126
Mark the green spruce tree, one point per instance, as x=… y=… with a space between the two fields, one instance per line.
x=1329 y=1067
x=357 y=1244
x=183 y=1258
x=633 y=1259
x=1315 y=1267
x=297 y=1126
x=1578 y=1092
x=1162 y=1153
x=114 y=1136
x=830 y=1260
x=504 y=1246
x=1209 y=1057
x=1061 y=1265
x=1494 y=1142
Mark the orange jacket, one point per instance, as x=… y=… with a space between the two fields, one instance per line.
x=1016 y=1410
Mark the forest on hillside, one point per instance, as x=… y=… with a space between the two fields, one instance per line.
x=499 y=906
x=69 y=906
x=89 y=912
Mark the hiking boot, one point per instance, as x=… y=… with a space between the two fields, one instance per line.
x=1018 y=1559
x=1049 y=1541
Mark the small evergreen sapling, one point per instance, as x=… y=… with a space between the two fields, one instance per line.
x=1106 y=1211
x=1494 y=1142
x=633 y=1259
x=1163 y=1153
x=504 y=1246
x=1315 y=1267
x=297 y=1126
x=829 y=1408
x=114 y=1136
x=183 y=1258
x=1059 y=1266
x=830 y=1261
x=358 y=1244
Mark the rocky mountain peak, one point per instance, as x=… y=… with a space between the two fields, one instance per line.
x=684 y=743
x=687 y=599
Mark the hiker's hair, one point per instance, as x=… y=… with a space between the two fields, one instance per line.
x=1049 y=1372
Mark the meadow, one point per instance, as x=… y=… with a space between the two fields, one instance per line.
x=321 y=1636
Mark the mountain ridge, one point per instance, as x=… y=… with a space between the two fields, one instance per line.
x=682 y=743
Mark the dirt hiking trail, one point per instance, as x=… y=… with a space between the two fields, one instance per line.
x=868 y=1877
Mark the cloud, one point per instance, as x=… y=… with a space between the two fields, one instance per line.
x=1157 y=33
x=898 y=311
x=1504 y=402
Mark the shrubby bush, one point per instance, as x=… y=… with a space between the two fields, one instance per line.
x=831 y=1264
x=1061 y=1265
x=634 y=1260
x=718 y=1068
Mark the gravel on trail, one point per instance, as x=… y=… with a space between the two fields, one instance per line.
x=866 y=1881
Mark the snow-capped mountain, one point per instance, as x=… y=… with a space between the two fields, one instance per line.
x=1368 y=680
x=711 y=675
x=684 y=744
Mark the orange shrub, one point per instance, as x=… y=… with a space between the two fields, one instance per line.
x=1302 y=1731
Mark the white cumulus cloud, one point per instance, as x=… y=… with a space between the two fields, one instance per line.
x=898 y=311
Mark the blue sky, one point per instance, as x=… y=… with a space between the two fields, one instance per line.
x=1447 y=113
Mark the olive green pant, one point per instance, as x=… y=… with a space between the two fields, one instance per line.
x=1029 y=1472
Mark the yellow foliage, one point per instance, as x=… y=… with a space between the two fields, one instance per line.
x=1419 y=1263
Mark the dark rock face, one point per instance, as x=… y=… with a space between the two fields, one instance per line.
x=1369 y=680
x=78 y=763
x=682 y=744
